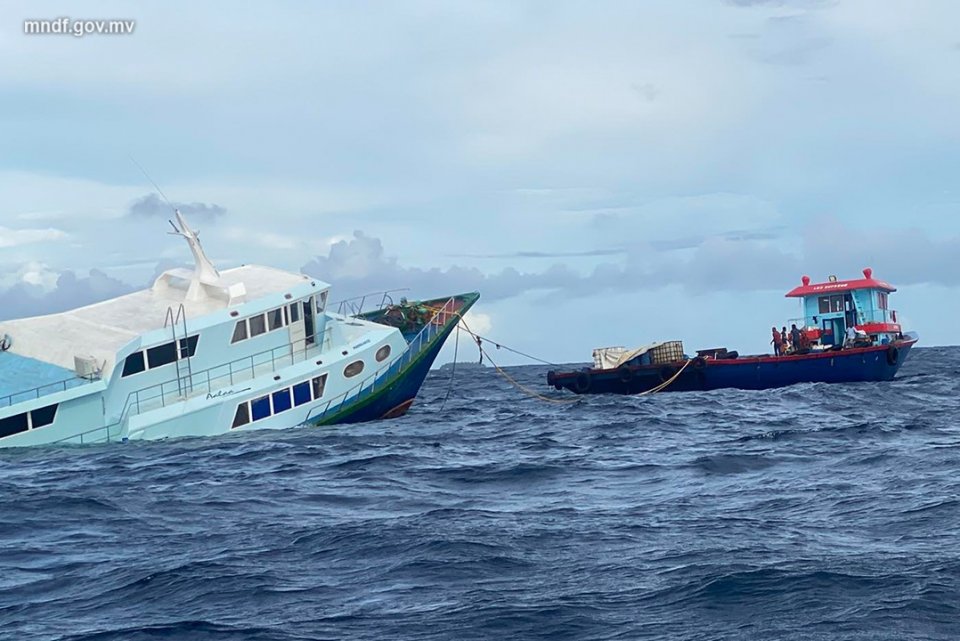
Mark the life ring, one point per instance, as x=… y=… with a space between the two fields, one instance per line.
x=893 y=354
x=581 y=385
x=699 y=363
x=625 y=374
x=6 y=343
x=667 y=372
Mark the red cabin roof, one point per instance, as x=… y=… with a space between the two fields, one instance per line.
x=867 y=282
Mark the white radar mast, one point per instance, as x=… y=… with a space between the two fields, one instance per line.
x=204 y=272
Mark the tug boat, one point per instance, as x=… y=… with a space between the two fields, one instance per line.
x=208 y=352
x=847 y=333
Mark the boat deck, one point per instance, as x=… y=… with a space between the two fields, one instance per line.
x=23 y=378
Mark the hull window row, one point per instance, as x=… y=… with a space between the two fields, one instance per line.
x=160 y=355
x=40 y=417
x=280 y=401
x=267 y=322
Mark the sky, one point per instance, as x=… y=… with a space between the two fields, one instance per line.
x=604 y=173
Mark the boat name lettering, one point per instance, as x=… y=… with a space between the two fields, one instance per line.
x=226 y=392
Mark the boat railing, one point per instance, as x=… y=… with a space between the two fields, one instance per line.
x=863 y=316
x=354 y=306
x=43 y=390
x=385 y=373
x=214 y=379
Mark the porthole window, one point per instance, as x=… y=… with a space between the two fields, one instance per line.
x=383 y=353
x=353 y=369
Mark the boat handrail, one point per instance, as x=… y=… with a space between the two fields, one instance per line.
x=427 y=333
x=356 y=308
x=202 y=381
x=36 y=392
x=863 y=316
x=436 y=323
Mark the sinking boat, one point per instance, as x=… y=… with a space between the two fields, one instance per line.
x=847 y=333
x=208 y=352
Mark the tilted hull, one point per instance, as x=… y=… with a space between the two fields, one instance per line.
x=209 y=407
x=395 y=396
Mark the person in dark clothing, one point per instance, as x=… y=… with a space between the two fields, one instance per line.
x=795 y=337
x=784 y=341
x=777 y=342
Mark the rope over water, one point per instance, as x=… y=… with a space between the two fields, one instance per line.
x=659 y=388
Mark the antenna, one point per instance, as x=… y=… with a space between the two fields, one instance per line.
x=155 y=185
x=204 y=272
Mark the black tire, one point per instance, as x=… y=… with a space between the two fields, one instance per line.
x=581 y=385
x=667 y=372
x=625 y=374
x=893 y=355
x=699 y=363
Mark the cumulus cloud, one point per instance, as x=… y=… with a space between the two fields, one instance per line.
x=360 y=265
x=30 y=299
x=721 y=263
x=152 y=205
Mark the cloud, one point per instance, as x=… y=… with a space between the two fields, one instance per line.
x=722 y=263
x=16 y=237
x=360 y=265
x=542 y=254
x=152 y=205
x=30 y=299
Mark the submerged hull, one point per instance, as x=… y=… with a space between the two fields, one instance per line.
x=878 y=363
x=395 y=396
x=277 y=384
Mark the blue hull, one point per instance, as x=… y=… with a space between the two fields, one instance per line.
x=879 y=363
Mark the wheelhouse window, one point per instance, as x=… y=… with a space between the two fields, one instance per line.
x=43 y=416
x=188 y=346
x=269 y=322
x=836 y=303
x=824 y=304
x=383 y=353
x=13 y=425
x=240 y=331
x=275 y=318
x=133 y=364
x=258 y=325
x=161 y=355
x=353 y=369
x=882 y=300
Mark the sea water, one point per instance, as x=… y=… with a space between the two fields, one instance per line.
x=810 y=512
